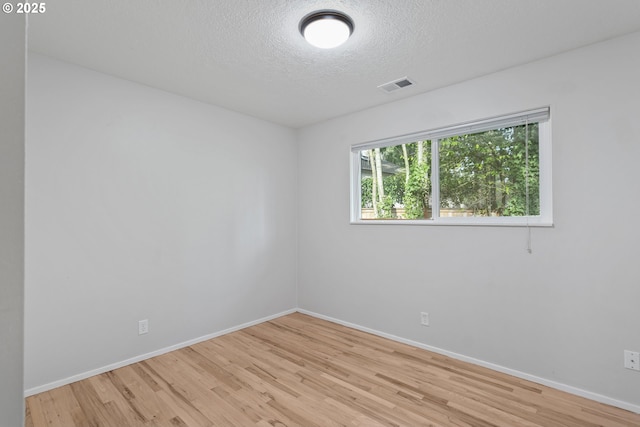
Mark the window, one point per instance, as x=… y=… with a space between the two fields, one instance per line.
x=491 y=172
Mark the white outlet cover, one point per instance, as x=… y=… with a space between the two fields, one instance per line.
x=143 y=327
x=632 y=360
x=424 y=318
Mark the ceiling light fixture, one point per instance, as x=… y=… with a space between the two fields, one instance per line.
x=326 y=29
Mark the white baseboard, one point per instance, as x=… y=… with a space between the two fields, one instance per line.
x=553 y=384
x=98 y=371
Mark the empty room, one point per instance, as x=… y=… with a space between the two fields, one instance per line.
x=319 y=213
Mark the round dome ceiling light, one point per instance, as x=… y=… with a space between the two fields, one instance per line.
x=326 y=29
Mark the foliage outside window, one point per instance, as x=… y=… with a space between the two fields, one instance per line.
x=495 y=171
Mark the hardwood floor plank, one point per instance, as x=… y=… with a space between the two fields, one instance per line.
x=177 y=421
x=173 y=395
x=301 y=371
x=142 y=398
x=35 y=411
x=603 y=416
x=28 y=422
x=66 y=403
x=97 y=413
x=54 y=410
x=186 y=412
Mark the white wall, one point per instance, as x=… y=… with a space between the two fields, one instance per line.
x=146 y=205
x=12 y=146
x=564 y=313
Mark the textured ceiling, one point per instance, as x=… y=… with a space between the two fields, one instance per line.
x=247 y=55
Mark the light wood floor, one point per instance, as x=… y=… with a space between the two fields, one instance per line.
x=301 y=371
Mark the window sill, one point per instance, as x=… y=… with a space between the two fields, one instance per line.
x=482 y=222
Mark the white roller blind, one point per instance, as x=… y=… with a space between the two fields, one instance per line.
x=515 y=119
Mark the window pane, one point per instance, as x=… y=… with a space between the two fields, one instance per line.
x=395 y=182
x=492 y=173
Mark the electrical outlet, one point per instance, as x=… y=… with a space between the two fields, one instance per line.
x=143 y=327
x=632 y=360
x=424 y=318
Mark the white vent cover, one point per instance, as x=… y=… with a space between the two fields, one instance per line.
x=396 y=85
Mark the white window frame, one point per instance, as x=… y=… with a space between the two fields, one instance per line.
x=541 y=116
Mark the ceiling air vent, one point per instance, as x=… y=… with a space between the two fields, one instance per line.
x=396 y=85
